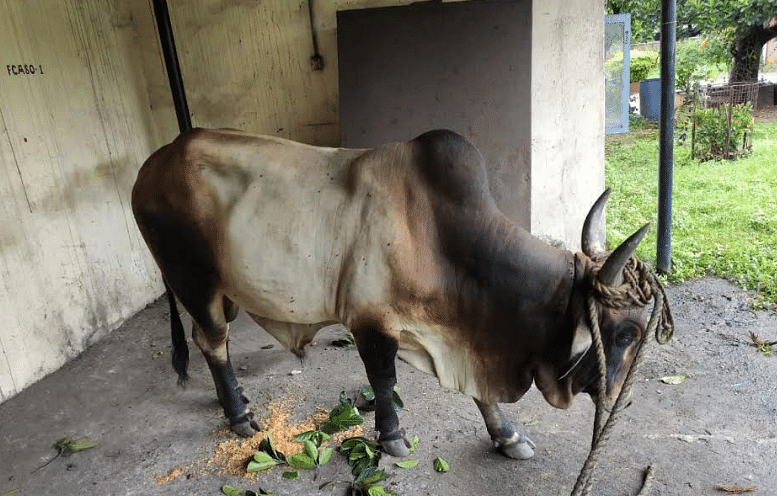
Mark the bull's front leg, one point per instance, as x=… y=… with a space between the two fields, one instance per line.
x=511 y=443
x=378 y=352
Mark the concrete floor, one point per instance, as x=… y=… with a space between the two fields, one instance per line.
x=719 y=427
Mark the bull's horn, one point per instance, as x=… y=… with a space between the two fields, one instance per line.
x=593 y=228
x=611 y=273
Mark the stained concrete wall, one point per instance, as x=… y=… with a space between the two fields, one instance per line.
x=76 y=123
x=84 y=100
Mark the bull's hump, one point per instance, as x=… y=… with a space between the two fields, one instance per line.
x=452 y=167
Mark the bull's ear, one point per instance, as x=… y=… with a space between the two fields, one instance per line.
x=592 y=241
x=581 y=340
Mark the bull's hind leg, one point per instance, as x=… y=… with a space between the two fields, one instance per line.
x=510 y=443
x=378 y=352
x=213 y=343
x=183 y=245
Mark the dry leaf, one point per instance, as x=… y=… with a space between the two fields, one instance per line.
x=674 y=379
x=758 y=341
x=735 y=489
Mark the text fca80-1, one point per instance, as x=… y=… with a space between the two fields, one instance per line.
x=24 y=69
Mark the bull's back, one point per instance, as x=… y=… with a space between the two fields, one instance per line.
x=291 y=228
x=288 y=232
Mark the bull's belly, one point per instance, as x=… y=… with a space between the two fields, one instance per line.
x=282 y=259
x=282 y=289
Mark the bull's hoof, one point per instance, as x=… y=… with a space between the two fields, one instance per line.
x=395 y=443
x=521 y=449
x=397 y=447
x=246 y=426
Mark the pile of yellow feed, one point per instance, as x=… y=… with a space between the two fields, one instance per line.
x=232 y=455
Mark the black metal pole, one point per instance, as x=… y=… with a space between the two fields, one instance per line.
x=171 y=62
x=666 y=136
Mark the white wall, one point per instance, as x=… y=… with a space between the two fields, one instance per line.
x=72 y=136
x=567 y=116
x=72 y=263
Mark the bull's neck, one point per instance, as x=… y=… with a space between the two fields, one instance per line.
x=524 y=275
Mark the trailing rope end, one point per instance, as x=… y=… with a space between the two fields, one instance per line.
x=647 y=481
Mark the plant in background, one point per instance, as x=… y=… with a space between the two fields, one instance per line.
x=716 y=47
x=748 y=21
x=722 y=132
x=641 y=63
x=690 y=67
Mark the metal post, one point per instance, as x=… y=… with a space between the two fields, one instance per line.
x=666 y=136
x=171 y=62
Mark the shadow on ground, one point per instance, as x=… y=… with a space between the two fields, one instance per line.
x=719 y=427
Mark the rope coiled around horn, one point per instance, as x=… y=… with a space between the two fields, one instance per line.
x=640 y=285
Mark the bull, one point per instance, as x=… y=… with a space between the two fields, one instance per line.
x=402 y=244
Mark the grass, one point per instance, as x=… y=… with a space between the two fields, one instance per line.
x=724 y=219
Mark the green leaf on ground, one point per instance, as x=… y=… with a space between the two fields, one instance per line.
x=371 y=475
x=342 y=417
x=378 y=491
x=261 y=461
x=415 y=442
x=268 y=447
x=441 y=465
x=68 y=445
x=290 y=474
x=347 y=341
x=316 y=436
x=324 y=454
x=301 y=461
x=368 y=394
x=311 y=450
x=410 y=463
x=235 y=491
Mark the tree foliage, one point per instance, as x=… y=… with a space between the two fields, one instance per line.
x=746 y=24
x=742 y=15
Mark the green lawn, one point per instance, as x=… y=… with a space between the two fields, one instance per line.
x=724 y=219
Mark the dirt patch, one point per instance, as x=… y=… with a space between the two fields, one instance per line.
x=766 y=113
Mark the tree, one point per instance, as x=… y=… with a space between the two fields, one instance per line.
x=646 y=18
x=747 y=25
x=754 y=22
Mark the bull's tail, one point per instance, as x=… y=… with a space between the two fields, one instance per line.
x=180 y=348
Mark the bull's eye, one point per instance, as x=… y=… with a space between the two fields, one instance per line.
x=625 y=335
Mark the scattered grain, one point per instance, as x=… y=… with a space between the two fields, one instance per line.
x=231 y=456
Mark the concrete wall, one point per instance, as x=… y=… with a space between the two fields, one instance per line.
x=75 y=131
x=567 y=121
x=76 y=122
x=247 y=65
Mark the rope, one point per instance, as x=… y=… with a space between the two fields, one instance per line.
x=639 y=287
